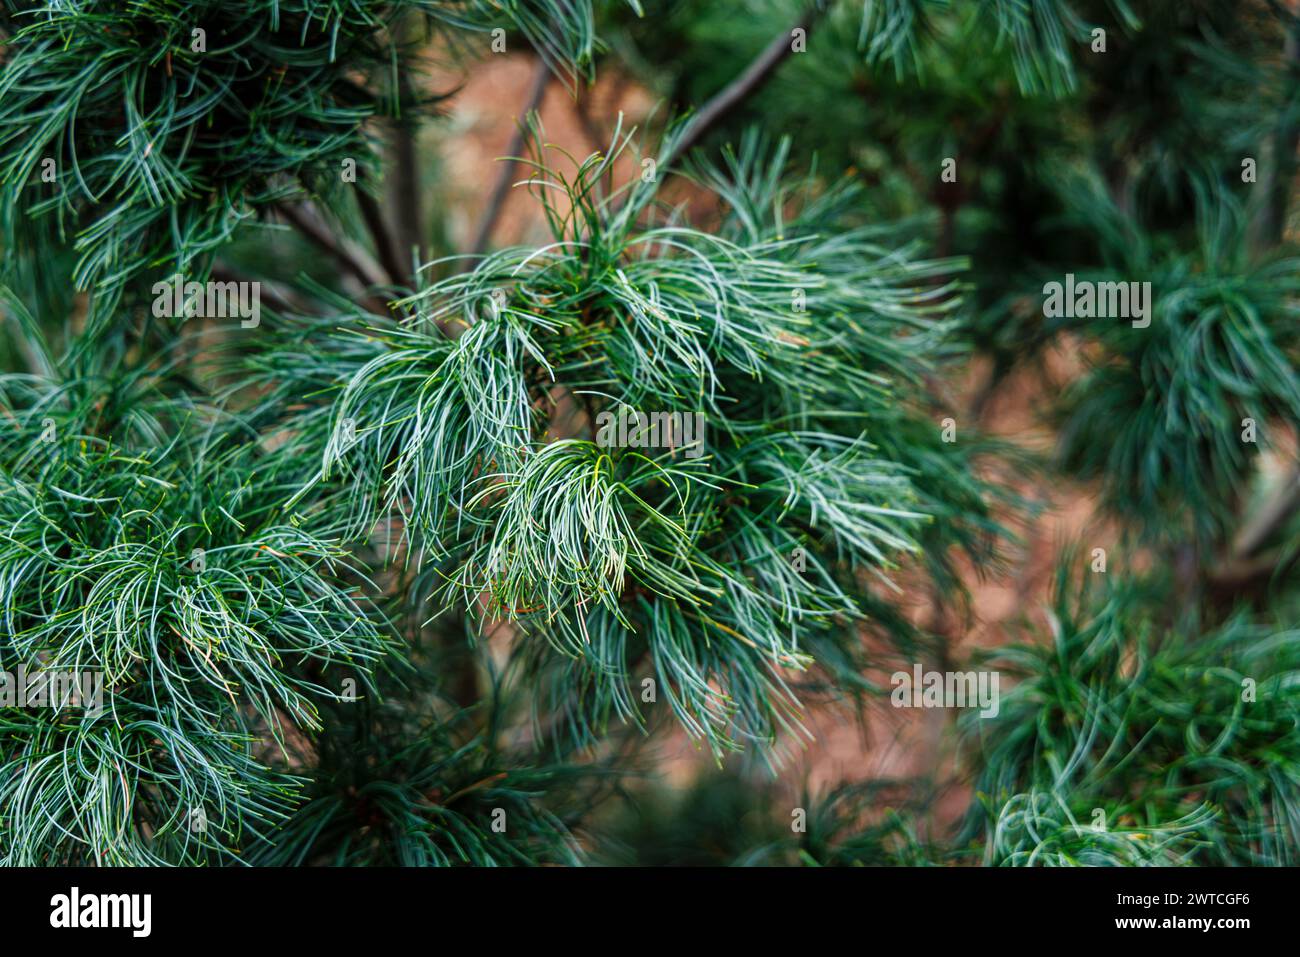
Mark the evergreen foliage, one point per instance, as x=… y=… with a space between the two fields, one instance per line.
x=398 y=572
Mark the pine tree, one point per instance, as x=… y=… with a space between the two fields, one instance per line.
x=393 y=552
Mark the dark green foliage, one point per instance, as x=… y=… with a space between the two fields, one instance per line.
x=1186 y=745
x=162 y=148
x=723 y=819
x=1173 y=400
x=401 y=787
x=733 y=819
x=171 y=123
x=872 y=824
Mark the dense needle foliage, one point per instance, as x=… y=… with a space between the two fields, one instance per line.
x=418 y=564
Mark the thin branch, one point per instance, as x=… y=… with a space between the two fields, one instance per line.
x=1234 y=576
x=1272 y=515
x=501 y=189
x=745 y=85
x=404 y=187
x=275 y=297
x=1244 y=563
x=582 y=110
x=737 y=92
x=383 y=239
x=348 y=255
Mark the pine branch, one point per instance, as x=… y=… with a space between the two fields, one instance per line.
x=404 y=189
x=304 y=219
x=506 y=174
x=1244 y=563
x=354 y=260
x=744 y=86
x=398 y=274
x=1273 y=515
x=275 y=297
